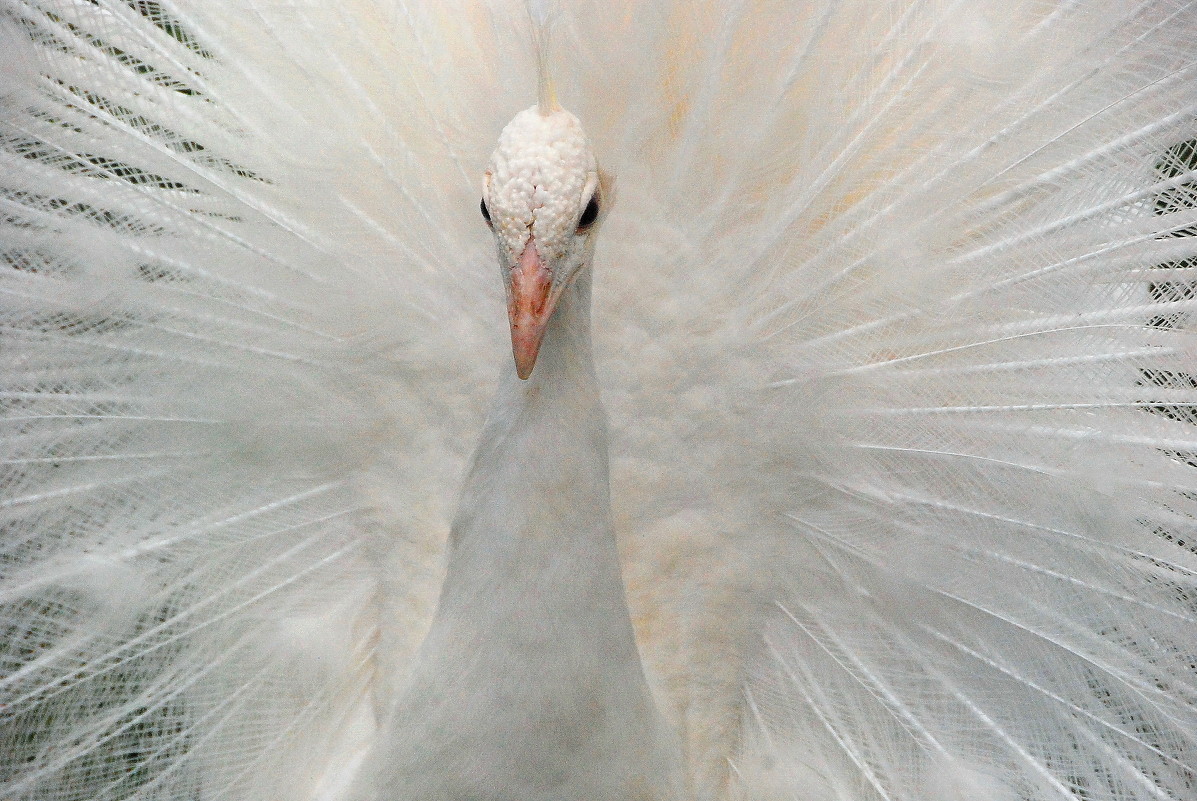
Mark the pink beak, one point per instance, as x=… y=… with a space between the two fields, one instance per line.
x=530 y=304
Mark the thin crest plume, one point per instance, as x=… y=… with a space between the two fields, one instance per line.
x=543 y=15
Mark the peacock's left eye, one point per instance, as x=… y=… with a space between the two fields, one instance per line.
x=485 y=212
x=589 y=214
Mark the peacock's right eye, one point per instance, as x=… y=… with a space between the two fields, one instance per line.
x=485 y=212
x=589 y=214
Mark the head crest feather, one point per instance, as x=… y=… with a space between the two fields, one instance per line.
x=543 y=16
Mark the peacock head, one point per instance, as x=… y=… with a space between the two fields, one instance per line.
x=542 y=198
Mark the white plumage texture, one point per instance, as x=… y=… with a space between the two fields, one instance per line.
x=893 y=318
x=541 y=158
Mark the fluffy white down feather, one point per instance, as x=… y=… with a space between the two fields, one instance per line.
x=893 y=320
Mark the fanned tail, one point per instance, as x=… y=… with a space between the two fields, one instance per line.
x=205 y=341
x=952 y=419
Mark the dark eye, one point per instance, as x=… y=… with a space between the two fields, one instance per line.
x=590 y=214
x=485 y=211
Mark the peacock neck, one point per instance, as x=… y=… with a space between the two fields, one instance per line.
x=535 y=507
x=529 y=684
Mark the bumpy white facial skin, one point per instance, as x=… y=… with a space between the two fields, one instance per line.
x=540 y=178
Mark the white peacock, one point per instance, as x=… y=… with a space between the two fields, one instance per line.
x=892 y=323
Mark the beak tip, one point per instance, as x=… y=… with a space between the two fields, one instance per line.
x=525 y=354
